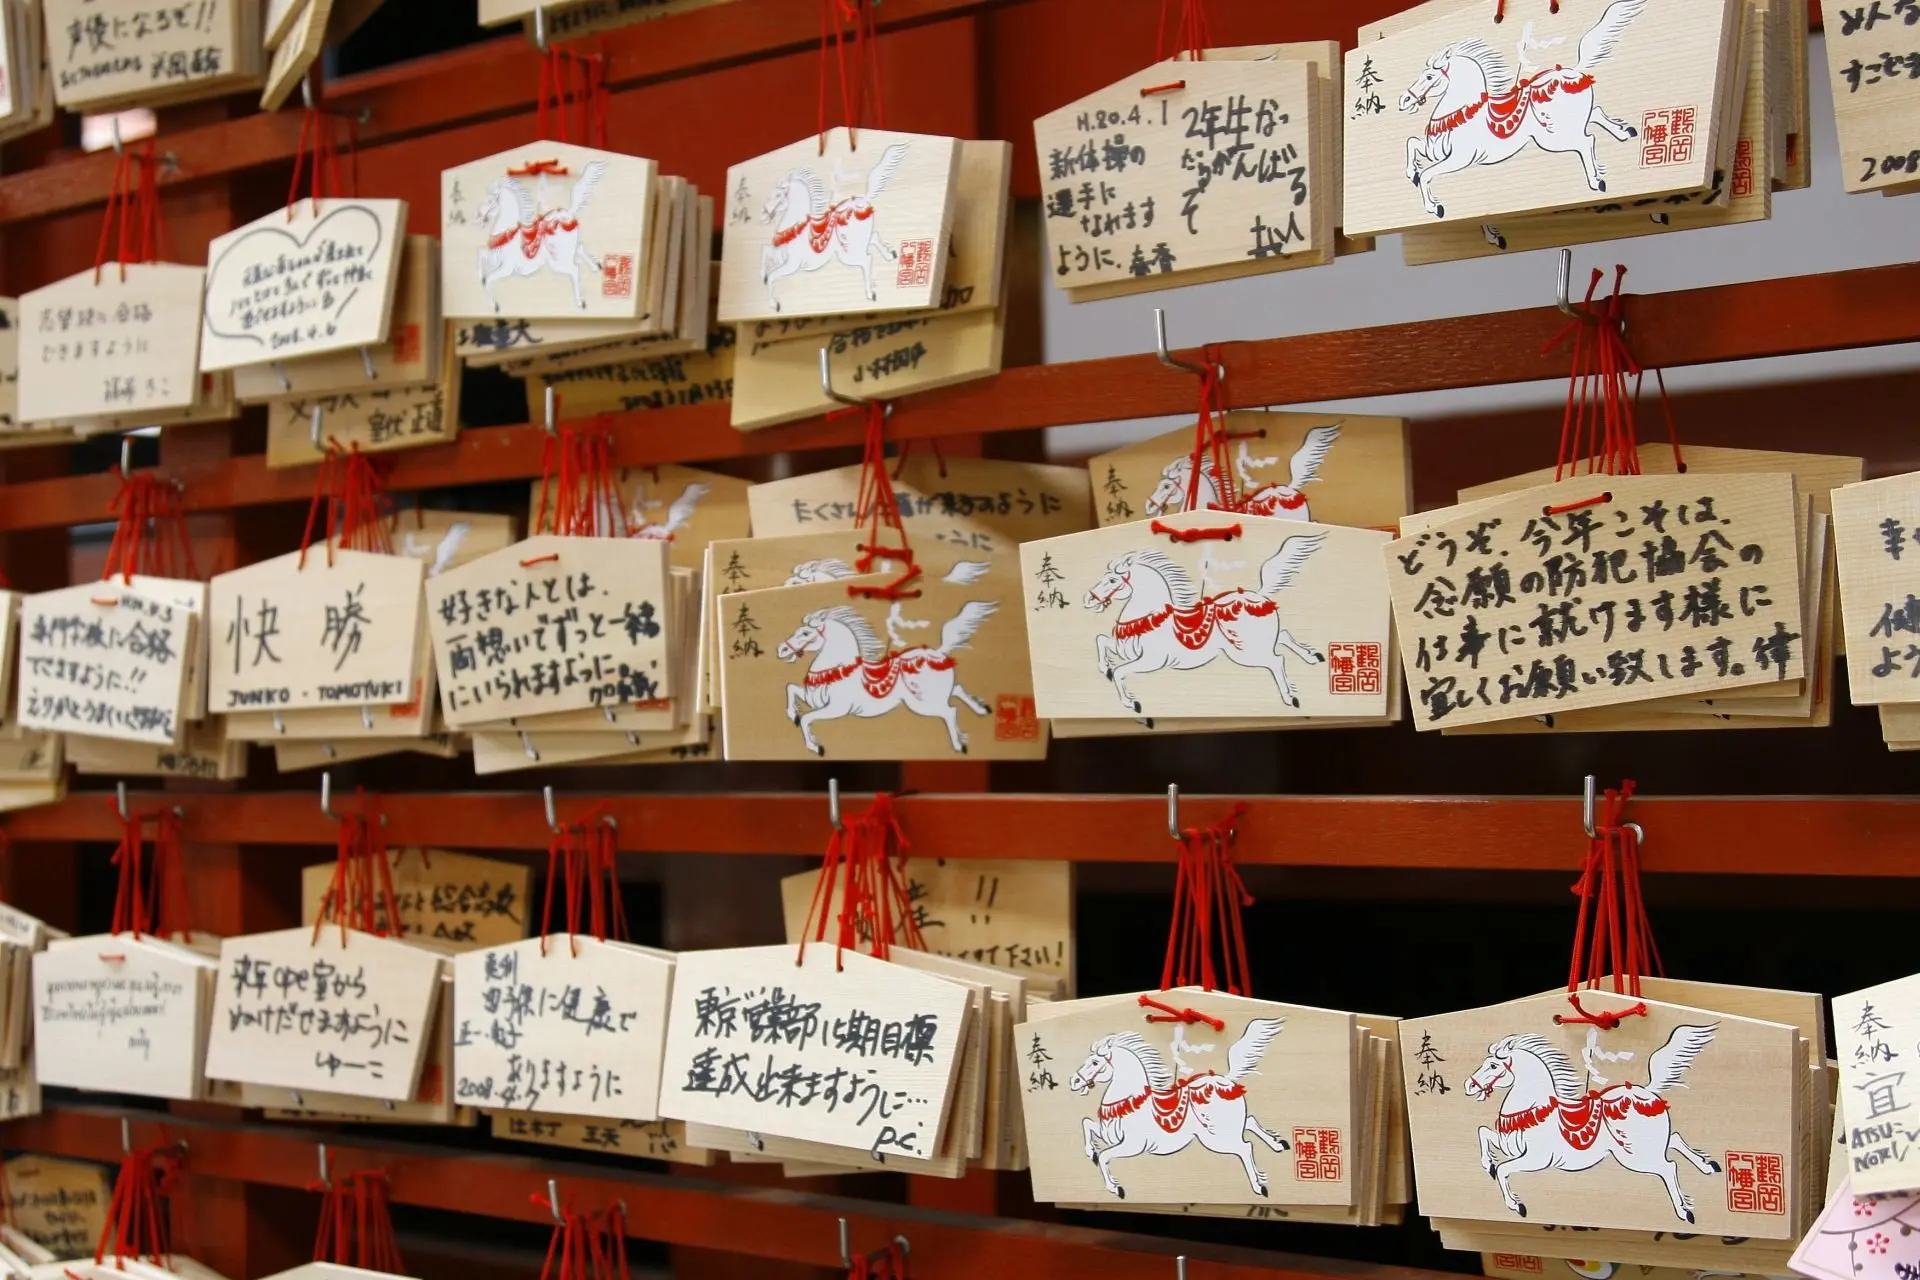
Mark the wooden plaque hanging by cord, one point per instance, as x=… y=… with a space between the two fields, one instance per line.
x=558 y=231
x=858 y=225
x=58 y=1204
x=95 y=343
x=329 y=634
x=121 y=1014
x=721 y=997
x=1328 y=468
x=316 y=276
x=969 y=504
x=1640 y=1127
x=552 y=624
x=450 y=900
x=1629 y=108
x=105 y=660
x=1555 y=599
x=1876 y=540
x=1285 y=618
x=1876 y=100
x=301 y=1011
x=563 y=1024
x=685 y=507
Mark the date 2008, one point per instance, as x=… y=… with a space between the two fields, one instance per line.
x=1886 y=166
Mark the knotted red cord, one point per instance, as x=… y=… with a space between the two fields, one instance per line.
x=360 y=893
x=137 y=1224
x=579 y=485
x=860 y=89
x=317 y=155
x=571 y=83
x=865 y=865
x=1612 y=932
x=150 y=534
x=583 y=860
x=878 y=509
x=1222 y=533
x=1208 y=897
x=171 y=912
x=356 y=1224
x=571 y=1249
x=1191 y=40
x=1599 y=428
x=365 y=511
x=132 y=222
x=1210 y=439
x=130 y=895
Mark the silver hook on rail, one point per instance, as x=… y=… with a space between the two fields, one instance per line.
x=126 y=455
x=553 y=1200
x=306 y=90
x=553 y=410
x=826 y=389
x=114 y=123
x=325 y=1180
x=126 y=1136
x=1563 y=291
x=280 y=372
x=833 y=812
x=313 y=435
x=526 y=745
x=120 y=799
x=1180 y=1267
x=1586 y=808
x=366 y=362
x=326 y=795
x=1173 y=810
x=846 y=1259
x=540 y=28
x=1167 y=358
x=553 y=821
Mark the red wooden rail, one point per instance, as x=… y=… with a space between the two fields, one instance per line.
x=1789 y=316
x=1762 y=835
x=762 y=1222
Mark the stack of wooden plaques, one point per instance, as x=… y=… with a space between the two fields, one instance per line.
x=1251 y=1109
x=1680 y=624
x=22 y=936
x=400 y=393
x=1191 y=171
x=123 y=1013
x=1876 y=535
x=26 y=98
x=927 y=1038
x=1612 y=107
x=14 y=433
x=1766 y=124
x=1693 y=1135
x=1876 y=100
x=107 y=55
x=807 y=662
x=296 y=32
x=885 y=251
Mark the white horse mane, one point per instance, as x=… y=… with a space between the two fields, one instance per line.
x=816 y=189
x=1159 y=1078
x=521 y=196
x=870 y=647
x=1567 y=1082
x=1492 y=64
x=1179 y=585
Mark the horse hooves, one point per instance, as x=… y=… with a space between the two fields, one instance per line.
x=1632 y=132
x=1108 y=674
x=1500 y=242
x=1263 y=1193
x=817 y=750
x=1492 y=1172
x=963 y=748
x=1136 y=706
x=1520 y=1209
x=1439 y=211
x=1713 y=1166
x=1688 y=1215
x=1285 y=1145
x=1602 y=186
x=1121 y=1192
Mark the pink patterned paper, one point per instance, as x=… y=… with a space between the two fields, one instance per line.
x=1861 y=1238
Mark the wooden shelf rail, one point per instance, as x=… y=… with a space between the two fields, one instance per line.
x=1788 y=316
x=1725 y=835
x=762 y=1222
x=462 y=87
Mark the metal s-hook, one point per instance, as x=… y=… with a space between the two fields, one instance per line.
x=846 y=1259
x=1167 y=358
x=113 y=122
x=126 y=455
x=325 y=1180
x=826 y=388
x=280 y=371
x=553 y=410
x=553 y=1200
x=540 y=28
x=1180 y=1267
x=314 y=435
x=1173 y=811
x=326 y=795
x=1586 y=809
x=833 y=804
x=306 y=90
x=366 y=362
x=1563 y=291
x=526 y=745
x=126 y=1136
x=553 y=822
x=120 y=799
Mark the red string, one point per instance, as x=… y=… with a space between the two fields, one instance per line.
x=859 y=88
x=1565 y=507
x=878 y=508
x=865 y=866
x=1224 y=533
x=137 y=1223
x=129 y=899
x=360 y=894
x=1208 y=899
x=1169 y=1013
x=579 y=487
x=1194 y=36
x=571 y=83
x=1612 y=933
x=132 y=220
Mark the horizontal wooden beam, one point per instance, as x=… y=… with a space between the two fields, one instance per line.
x=1789 y=316
x=465 y=86
x=1759 y=835
x=763 y=1222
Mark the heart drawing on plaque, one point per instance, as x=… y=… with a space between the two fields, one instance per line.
x=283 y=291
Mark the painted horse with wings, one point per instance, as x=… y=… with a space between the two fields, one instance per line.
x=523 y=239
x=1280 y=501
x=809 y=231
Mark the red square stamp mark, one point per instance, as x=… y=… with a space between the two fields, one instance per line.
x=1353 y=667
x=616 y=275
x=1756 y=1183
x=916 y=264
x=406 y=344
x=1517 y=1262
x=1316 y=1155
x=1666 y=136
x=1014 y=719
x=1743 y=167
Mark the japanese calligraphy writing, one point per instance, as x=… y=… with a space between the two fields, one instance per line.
x=103 y=660
x=1874 y=1034
x=1873 y=68
x=460 y=901
x=1876 y=540
x=118 y=1014
x=111 y=48
x=1521 y=606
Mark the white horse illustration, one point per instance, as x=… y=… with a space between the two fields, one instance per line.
x=678 y=513
x=1148 y=1112
x=963 y=574
x=808 y=232
x=445 y=548
x=1485 y=116
x=854 y=674
x=1165 y=624
x=1551 y=1120
x=1280 y=501
x=524 y=239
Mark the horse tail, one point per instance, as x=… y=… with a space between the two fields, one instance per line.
x=1247 y=1051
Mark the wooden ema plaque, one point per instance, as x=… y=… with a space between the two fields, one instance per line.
x=60 y=1205
x=105 y=660
x=315 y=277
x=1876 y=100
x=1873 y=1035
x=340 y=634
x=552 y=624
x=1623 y=102
x=546 y=230
x=121 y=1014
x=931 y=678
x=451 y=900
x=1182 y=167
x=340 y=1015
x=1876 y=539
x=861 y=225
x=685 y=507
x=641 y=1139
x=719 y=997
x=1120 y=1108
x=104 y=54
x=1672 y=585
x=968 y=504
x=562 y=1024
x=1326 y=468
x=1679 y=1120
x=96 y=344
x=1286 y=618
